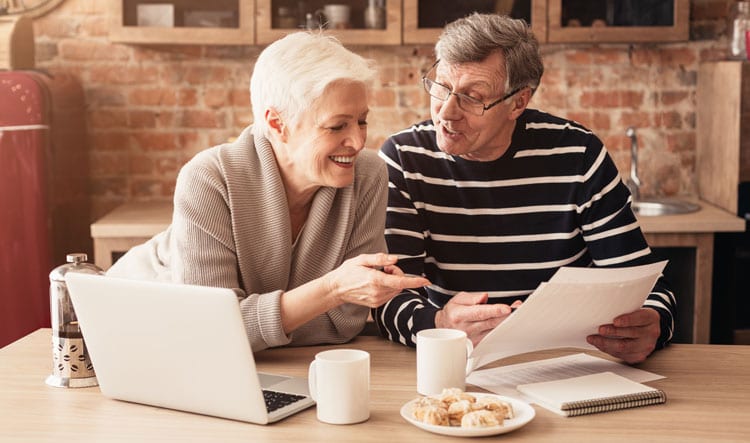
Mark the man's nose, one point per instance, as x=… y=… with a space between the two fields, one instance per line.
x=449 y=108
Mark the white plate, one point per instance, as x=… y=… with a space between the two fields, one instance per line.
x=524 y=413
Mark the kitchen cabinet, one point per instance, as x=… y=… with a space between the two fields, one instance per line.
x=269 y=28
x=218 y=22
x=612 y=21
x=424 y=19
x=250 y=22
x=561 y=21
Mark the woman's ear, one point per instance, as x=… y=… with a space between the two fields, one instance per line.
x=275 y=124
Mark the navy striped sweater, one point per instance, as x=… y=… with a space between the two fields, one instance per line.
x=555 y=198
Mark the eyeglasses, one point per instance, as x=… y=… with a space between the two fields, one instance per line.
x=466 y=103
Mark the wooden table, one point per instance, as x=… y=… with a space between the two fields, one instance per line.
x=708 y=389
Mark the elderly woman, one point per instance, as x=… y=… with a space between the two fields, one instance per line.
x=291 y=214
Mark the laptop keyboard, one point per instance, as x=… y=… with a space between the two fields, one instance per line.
x=276 y=400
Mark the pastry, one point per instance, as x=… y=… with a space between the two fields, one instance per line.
x=428 y=401
x=433 y=415
x=454 y=407
x=480 y=419
x=457 y=410
x=503 y=409
x=451 y=395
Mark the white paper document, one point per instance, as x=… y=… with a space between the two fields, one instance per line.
x=568 y=308
x=504 y=379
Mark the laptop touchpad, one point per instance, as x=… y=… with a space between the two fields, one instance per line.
x=268 y=380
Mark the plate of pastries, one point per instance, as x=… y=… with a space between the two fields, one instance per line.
x=467 y=414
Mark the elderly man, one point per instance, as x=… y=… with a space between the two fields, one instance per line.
x=489 y=198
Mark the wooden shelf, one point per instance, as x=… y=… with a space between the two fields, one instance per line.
x=391 y=35
x=255 y=25
x=244 y=34
x=413 y=34
x=678 y=31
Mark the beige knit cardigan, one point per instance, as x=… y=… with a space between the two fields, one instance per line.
x=231 y=228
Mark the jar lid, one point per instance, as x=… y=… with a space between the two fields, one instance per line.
x=76 y=263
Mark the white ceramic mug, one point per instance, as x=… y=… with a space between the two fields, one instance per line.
x=340 y=384
x=337 y=16
x=442 y=360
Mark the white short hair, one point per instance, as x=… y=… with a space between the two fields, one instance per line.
x=293 y=72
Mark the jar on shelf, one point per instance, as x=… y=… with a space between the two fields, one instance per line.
x=738 y=27
x=286 y=18
x=375 y=15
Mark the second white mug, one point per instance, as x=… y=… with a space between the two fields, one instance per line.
x=441 y=360
x=340 y=384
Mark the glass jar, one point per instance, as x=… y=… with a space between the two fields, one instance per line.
x=738 y=26
x=286 y=18
x=375 y=15
x=71 y=364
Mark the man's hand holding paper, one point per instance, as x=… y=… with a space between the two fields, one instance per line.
x=630 y=337
x=607 y=313
x=470 y=313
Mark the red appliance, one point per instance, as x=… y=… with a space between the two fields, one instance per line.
x=44 y=199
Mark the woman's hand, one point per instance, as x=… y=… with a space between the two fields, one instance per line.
x=370 y=280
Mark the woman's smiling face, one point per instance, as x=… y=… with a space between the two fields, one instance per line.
x=322 y=147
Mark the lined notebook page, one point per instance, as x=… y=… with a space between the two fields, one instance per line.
x=589 y=394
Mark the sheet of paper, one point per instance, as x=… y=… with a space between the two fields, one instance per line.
x=563 y=311
x=504 y=379
x=606 y=275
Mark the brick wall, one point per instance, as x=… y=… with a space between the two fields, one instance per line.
x=151 y=108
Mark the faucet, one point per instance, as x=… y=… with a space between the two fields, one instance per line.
x=633 y=183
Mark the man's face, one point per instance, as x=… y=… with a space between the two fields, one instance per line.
x=463 y=133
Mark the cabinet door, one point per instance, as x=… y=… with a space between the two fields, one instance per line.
x=617 y=21
x=215 y=22
x=424 y=19
x=277 y=18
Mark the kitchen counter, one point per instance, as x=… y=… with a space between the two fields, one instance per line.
x=133 y=223
x=127 y=225
x=692 y=231
x=709 y=218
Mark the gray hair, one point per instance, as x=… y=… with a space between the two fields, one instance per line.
x=294 y=71
x=474 y=38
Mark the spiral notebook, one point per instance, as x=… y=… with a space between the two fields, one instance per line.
x=591 y=394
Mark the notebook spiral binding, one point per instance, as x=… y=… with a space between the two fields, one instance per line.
x=613 y=403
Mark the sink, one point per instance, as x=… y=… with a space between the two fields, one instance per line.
x=663 y=206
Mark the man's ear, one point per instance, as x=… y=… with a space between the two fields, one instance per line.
x=519 y=102
x=275 y=124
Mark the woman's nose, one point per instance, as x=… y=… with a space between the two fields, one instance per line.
x=357 y=137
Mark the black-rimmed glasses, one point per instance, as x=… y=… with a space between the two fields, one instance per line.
x=465 y=102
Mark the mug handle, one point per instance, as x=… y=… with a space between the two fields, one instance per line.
x=312 y=381
x=469 y=360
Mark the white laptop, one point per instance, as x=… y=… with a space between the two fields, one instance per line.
x=178 y=346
